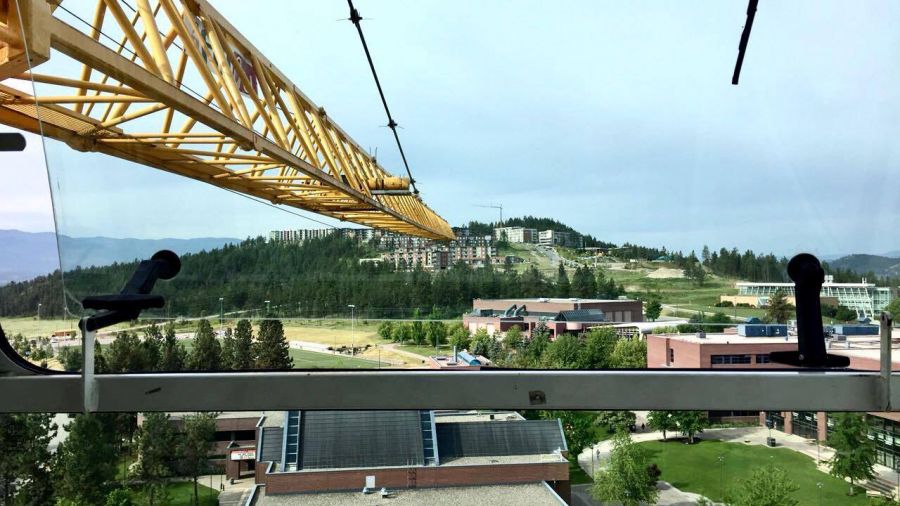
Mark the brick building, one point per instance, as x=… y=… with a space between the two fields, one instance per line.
x=734 y=351
x=319 y=451
x=559 y=315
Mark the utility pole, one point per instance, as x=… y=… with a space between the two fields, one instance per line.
x=268 y=307
x=221 y=311
x=39 y=311
x=352 y=329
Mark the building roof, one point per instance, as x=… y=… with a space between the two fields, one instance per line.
x=475 y=416
x=728 y=339
x=272 y=439
x=539 y=494
x=581 y=315
x=353 y=439
x=499 y=438
x=556 y=300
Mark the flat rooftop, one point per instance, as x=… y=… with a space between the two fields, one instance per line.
x=495 y=495
x=728 y=339
x=555 y=300
x=536 y=458
x=475 y=416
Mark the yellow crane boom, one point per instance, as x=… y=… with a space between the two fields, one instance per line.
x=183 y=91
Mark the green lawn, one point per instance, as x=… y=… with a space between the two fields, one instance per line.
x=314 y=360
x=425 y=350
x=697 y=468
x=577 y=476
x=181 y=494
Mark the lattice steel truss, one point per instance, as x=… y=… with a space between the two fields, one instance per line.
x=173 y=85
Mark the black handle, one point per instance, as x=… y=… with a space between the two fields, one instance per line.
x=135 y=296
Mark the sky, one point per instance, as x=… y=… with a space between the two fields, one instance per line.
x=616 y=118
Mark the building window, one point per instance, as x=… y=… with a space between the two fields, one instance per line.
x=763 y=358
x=730 y=359
x=671 y=356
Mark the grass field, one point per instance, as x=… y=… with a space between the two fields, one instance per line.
x=335 y=334
x=697 y=468
x=425 y=350
x=314 y=360
x=182 y=494
x=32 y=327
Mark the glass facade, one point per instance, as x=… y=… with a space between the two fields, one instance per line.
x=729 y=359
x=805 y=424
x=775 y=420
x=886 y=434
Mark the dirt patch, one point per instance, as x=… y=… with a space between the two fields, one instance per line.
x=666 y=273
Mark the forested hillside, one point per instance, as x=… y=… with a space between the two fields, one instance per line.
x=316 y=278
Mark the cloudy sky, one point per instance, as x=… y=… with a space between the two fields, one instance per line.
x=617 y=118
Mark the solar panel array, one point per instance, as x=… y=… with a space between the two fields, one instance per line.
x=498 y=438
x=346 y=439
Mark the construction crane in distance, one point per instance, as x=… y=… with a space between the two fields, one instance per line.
x=494 y=206
x=173 y=85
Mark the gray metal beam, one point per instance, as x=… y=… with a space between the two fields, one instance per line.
x=427 y=389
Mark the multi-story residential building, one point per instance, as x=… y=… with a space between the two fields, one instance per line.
x=565 y=239
x=516 y=234
x=864 y=298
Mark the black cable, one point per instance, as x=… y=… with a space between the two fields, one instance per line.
x=745 y=37
x=356 y=18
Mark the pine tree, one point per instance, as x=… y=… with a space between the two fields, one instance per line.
x=172 y=357
x=436 y=333
x=194 y=446
x=86 y=460
x=228 y=347
x=152 y=346
x=24 y=459
x=243 y=346
x=272 y=349
x=156 y=446
x=563 y=287
x=778 y=309
x=207 y=352
x=653 y=310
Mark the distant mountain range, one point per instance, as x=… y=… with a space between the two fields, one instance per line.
x=880 y=265
x=24 y=255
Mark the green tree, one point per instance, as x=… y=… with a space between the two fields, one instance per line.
x=563 y=353
x=778 y=309
x=481 y=343
x=70 y=357
x=616 y=421
x=24 y=459
x=537 y=345
x=844 y=314
x=156 y=446
x=127 y=354
x=195 y=445
x=599 y=343
x=152 y=346
x=86 y=460
x=894 y=308
x=628 y=478
x=584 y=285
x=272 y=349
x=653 y=310
x=513 y=340
x=228 y=348
x=386 y=330
x=766 y=486
x=459 y=336
x=435 y=333
x=563 y=287
x=243 y=346
x=418 y=332
x=119 y=497
x=207 y=352
x=172 y=357
x=578 y=427
x=629 y=354
x=690 y=423
x=854 y=452
x=662 y=421
x=403 y=332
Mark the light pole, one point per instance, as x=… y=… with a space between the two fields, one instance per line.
x=268 y=307
x=352 y=328
x=722 y=475
x=39 y=310
x=819 y=487
x=221 y=311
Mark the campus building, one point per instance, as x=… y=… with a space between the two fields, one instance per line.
x=733 y=351
x=332 y=451
x=559 y=315
x=565 y=239
x=517 y=235
x=863 y=297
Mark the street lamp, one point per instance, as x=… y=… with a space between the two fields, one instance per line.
x=268 y=307
x=819 y=486
x=221 y=311
x=352 y=329
x=39 y=310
